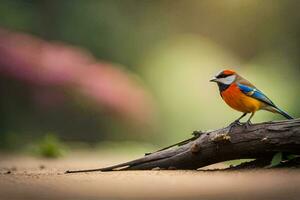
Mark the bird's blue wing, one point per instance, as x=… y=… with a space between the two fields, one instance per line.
x=256 y=94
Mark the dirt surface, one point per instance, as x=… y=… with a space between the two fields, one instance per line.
x=24 y=177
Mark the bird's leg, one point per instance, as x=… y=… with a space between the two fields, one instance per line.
x=248 y=122
x=237 y=121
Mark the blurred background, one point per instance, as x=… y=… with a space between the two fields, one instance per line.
x=133 y=75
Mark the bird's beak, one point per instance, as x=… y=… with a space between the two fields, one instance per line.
x=214 y=79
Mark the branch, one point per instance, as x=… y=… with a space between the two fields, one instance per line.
x=258 y=141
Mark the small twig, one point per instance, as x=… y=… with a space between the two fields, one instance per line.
x=196 y=134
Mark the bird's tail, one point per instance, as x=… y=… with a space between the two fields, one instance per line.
x=275 y=109
x=286 y=115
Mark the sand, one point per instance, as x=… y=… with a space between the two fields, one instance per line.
x=23 y=177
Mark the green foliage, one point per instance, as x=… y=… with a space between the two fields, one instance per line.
x=292 y=156
x=280 y=158
x=50 y=147
x=276 y=160
x=237 y=162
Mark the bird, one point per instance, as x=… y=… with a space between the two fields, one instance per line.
x=243 y=96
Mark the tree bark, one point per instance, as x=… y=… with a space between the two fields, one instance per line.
x=257 y=141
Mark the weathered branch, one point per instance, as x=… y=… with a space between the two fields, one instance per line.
x=257 y=141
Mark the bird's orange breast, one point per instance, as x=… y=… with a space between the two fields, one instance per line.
x=237 y=100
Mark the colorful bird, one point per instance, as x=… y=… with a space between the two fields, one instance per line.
x=243 y=96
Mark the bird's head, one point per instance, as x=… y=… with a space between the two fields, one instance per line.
x=225 y=77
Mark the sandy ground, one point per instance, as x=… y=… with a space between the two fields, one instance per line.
x=24 y=177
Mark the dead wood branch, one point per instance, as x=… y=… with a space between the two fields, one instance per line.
x=258 y=141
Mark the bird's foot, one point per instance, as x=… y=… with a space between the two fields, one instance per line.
x=247 y=124
x=235 y=123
